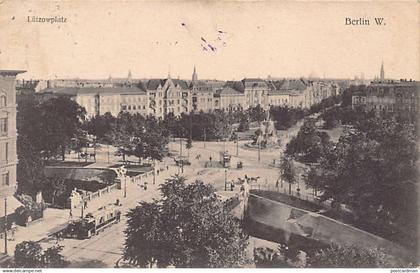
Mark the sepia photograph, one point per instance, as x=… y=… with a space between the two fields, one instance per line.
x=209 y=134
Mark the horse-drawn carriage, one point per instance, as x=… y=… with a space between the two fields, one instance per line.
x=182 y=161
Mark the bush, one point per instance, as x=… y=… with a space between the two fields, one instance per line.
x=31 y=210
x=30 y=254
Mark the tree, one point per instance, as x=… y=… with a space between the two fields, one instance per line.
x=352 y=257
x=257 y=113
x=332 y=117
x=150 y=142
x=101 y=126
x=52 y=258
x=29 y=146
x=287 y=171
x=312 y=180
x=60 y=122
x=30 y=254
x=243 y=125
x=285 y=117
x=372 y=169
x=30 y=173
x=187 y=227
x=309 y=143
x=54 y=188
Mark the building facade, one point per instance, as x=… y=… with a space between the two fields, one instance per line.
x=229 y=99
x=393 y=96
x=160 y=97
x=8 y=137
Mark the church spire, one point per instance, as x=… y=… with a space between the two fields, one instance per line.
x=194 y=75
x=382 y=72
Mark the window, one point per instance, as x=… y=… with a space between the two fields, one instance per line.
x=5 y=179
x=3 y=100
x=4 y=152
x=3 y=126
x=124 y=107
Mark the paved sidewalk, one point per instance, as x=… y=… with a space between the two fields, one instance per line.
x=54 y=220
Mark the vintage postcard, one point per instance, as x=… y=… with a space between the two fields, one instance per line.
x=209 y=134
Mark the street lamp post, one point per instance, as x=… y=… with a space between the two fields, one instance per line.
x=204 y=138
x=125 y=186
x=82 y=208
x=225 y=180
x=108 y=153
x=237 y=146
x=259 y=152
x=154 y=172
x=5 y=225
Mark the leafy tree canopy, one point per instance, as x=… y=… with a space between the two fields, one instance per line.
x=187 y=227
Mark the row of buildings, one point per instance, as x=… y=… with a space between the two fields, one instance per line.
x=384 y=95
x=159 y=97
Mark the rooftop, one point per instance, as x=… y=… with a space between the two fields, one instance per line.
x=73 y=91
x=11 y=72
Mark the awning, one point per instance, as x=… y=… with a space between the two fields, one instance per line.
x=12 y=205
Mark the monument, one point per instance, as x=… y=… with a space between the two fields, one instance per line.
x=266 y=135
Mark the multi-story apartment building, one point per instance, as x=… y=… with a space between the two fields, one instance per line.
x=159 y=97
x=392 y=96
x=8 y=137
x=229 y=99
x=202 y=95
x=168 y=96
x=256 y=92
x=98 y=101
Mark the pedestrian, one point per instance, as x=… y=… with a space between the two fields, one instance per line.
x=13 y=229
x=167 y=167
x=277 y=183
x=57 y=238
x=210 y=158
x=231 y=186
x=85 y=205
x=71 y=214
x=157 y=172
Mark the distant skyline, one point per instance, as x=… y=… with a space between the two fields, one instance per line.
x=224 y=40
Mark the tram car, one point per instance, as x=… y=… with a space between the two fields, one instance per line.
x=93 y=223
x=225 y=159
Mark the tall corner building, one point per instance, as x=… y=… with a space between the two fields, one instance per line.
x=8 y=136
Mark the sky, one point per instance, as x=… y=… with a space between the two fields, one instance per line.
x=224 y=39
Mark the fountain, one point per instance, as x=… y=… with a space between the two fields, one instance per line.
x=265 y=136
